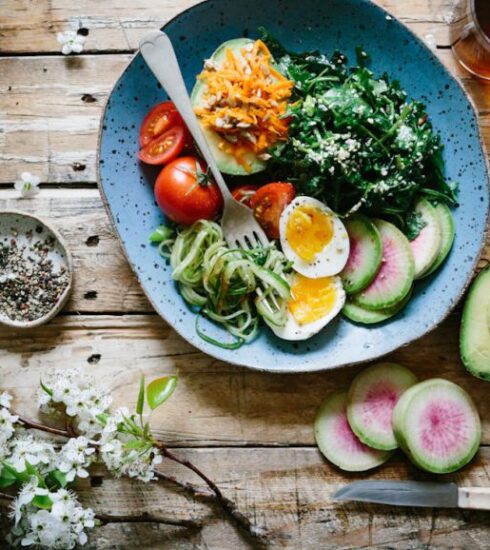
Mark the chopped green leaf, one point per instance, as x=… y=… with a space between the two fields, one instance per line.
x=414 y=225
x=161 y=233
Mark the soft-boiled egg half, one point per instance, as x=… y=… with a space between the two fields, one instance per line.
x=313 y=238
x=313 y=303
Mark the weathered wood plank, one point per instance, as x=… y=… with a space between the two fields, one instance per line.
x=49 y=127
x=287 y=491
x=27 y=27
x=103 y=280
x=216 y=403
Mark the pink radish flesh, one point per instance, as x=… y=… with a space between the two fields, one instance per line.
x=389 y=270
x=346 y=438
x=338 y=442
x=395 y=276
x=444 y=430
x=356 y=256
x=378 y=406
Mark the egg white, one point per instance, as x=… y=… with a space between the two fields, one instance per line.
x=292 y=330
x=329 y=261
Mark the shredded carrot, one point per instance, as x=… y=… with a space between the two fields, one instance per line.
x=245 y=102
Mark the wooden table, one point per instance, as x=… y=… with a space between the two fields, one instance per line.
x=251 y=432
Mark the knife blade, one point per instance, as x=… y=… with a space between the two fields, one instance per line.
x=402 y=493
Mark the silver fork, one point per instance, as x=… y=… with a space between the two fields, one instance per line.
x=240 y=228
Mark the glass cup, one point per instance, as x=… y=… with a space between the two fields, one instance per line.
x=470 y=36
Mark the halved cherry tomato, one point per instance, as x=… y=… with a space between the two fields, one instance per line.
x=269 y=202
x=185 y=193
x=244 y=193
x=165 y=147
x=159 y=119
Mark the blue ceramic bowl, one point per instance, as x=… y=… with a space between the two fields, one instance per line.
x=309 y=24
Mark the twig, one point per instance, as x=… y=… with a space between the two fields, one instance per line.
x=29 y=423
x=188 y=487
x=228 y=506
x=145 y=517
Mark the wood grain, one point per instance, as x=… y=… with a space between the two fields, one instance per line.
x=287 y=491
x=31 y=27
x=51 y=129
x=251 y=432
x=216 y=403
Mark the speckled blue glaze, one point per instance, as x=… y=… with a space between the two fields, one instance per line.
x=308 y=24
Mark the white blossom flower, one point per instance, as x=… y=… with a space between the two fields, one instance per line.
x=82 y=398
x=5 y=399
x=27 y=185
x=27 y=493
x=61 y=527
x=38 y=452
x=70 y=42
x=131 y=462
x=74 y=457
x=7 y=428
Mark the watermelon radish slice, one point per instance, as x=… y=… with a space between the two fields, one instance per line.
x=337 y=441
x=395 y=276
x=365 y=316
x=437 y=424
x=366 y=253
x=446 y=222
x=426 y=246
x=371 y=400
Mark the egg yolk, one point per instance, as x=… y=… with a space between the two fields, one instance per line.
x=312 y=299
x=308 y=231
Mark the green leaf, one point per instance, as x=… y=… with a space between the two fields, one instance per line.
x=161 y=233
x=141 y=397
x=159 y=390
x=7 y=478
x=59 y=478
x=20 y=476
x=42 y=501
x=46 y=389
x=135 y=444
x=102 y=418
x=31 y=471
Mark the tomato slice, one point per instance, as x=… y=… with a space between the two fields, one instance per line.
x=165 y=147
x=269 y=202
x=158 y=120
x=244 y=193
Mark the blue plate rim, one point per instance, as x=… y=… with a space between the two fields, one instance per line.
x=315 y=367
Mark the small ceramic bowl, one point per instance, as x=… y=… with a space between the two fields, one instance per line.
x=27 y=229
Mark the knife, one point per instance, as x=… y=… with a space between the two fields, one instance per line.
x=416 y=493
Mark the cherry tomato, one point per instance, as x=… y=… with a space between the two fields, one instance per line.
x=269 y=202
x=185 y=192
x=165 y=147
x=244 y=193
x=159 y=119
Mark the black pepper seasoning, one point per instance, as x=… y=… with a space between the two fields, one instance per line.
x=29 y=284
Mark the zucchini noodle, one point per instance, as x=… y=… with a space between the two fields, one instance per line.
x=232 y=287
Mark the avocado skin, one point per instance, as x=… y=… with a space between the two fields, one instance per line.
x=477 y=302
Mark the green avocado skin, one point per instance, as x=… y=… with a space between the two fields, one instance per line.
x=226 y=163
x=475 y=328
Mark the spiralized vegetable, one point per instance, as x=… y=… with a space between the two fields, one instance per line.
x=233 y=287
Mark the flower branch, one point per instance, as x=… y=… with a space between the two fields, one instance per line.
x=45 y=513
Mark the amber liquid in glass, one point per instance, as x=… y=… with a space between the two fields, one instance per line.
x=472 y=45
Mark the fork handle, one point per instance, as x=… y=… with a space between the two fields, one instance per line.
x=158 y=52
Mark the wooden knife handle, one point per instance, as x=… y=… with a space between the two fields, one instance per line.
x=477 y=498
